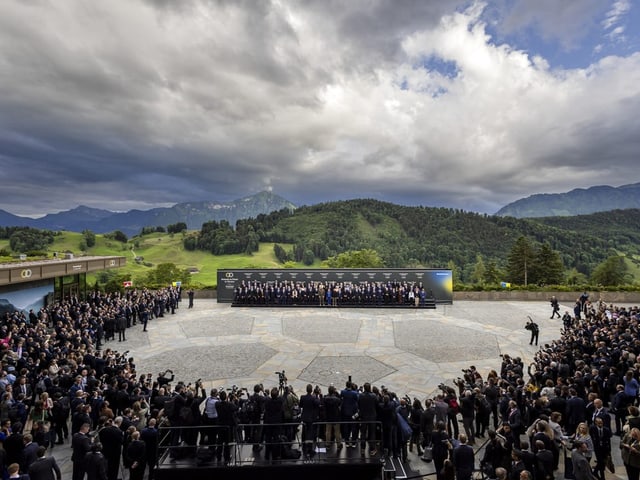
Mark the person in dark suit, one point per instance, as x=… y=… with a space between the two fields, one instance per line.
x=463 y=459
x=555 y=306
x=273 y=417
x=514 y=417
x=581 y=467
x=112 y=438
x=544 y=462
x=190 y=295
x=368 y=413
x=135 y=455
x=599 y=411
x=14 y=445
x=441 y=445
x=80 y=445
x=601 y=437
x=310 y=407
x=96 y=463
x=121 y=327
x=30 y=452
x=575 y=412
x=45 y=468
x=227 y=420
x=151 y=437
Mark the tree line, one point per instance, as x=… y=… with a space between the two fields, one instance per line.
x=480 y=248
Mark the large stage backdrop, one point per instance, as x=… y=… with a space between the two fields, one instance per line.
x=437 y=281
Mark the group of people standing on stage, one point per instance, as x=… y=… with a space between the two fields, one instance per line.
x=332 y=293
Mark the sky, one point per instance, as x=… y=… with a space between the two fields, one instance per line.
x=472 y=105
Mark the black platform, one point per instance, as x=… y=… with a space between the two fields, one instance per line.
x=246 y=463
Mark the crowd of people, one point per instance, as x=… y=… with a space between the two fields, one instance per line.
x=332 y=293
x=61 y=382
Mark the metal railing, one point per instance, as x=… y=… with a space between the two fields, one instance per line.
x=251 y=443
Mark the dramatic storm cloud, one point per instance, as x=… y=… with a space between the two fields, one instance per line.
x=137 y=104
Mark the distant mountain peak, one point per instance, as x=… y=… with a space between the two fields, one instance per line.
x=580 y=201
x=194 y=214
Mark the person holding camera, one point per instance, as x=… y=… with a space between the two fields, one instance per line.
x=534 y=329
x=163 y=380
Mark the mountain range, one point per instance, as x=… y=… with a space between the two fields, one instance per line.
x=576 y=202
x=194 y=214
x=581 y=201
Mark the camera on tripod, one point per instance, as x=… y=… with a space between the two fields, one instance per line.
x=282 y=378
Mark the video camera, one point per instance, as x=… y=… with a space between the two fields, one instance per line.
x=446 y=389
x=282 y=378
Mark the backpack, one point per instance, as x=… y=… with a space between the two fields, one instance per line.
x=454 y=407
x=249 y=409
x=186 y=414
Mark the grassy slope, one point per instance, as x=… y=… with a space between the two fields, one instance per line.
x=160 y=248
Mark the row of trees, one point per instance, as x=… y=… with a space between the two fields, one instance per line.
x=220 y=238
x=27 y=239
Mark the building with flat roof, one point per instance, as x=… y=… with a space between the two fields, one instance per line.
x=28 y=285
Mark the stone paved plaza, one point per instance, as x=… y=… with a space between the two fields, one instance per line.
x=409 y=351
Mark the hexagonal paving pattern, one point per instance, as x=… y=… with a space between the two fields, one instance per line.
x=336 y=370
x=225 y=361
x=329 y=330
x=437 y=342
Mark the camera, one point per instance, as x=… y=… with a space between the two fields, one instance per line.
x=282 y=378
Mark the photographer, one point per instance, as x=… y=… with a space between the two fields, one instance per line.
x=163 y=379
x=534 y=329
x=209 y=418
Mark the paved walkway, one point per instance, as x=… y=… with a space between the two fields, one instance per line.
x=409 y=351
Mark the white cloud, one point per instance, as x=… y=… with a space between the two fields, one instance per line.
x=160 y=102
x=618 y=10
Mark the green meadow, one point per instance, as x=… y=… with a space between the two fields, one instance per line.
x=157 y=248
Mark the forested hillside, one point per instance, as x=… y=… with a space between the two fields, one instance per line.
x=432 y=237
x=480 y=249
